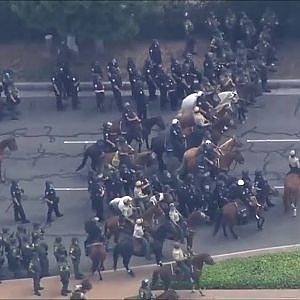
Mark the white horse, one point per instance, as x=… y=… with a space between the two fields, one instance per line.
x=224 y=99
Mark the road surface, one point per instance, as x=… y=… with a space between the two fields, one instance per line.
x=43 y=155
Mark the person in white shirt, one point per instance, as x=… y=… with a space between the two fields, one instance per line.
x=176 y=218
x=139 y=196
x=180 y=257
x=157 y=197
x=138 y=233
x=294 y=163
x=117 y=204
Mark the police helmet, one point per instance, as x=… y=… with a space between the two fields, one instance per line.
x=176 y=245
x=292 y=153
x=145 y=282
x=207 y=142
x=139 y=221
x=138 y=183
x=127 y=105
x=172 y=205
x=196 y=109
x=175 y=121
x=240 y=182
x=96 y=219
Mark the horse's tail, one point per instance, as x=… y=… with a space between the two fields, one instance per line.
x=218 y=222
x=116 y=254
x=85 y=158
x=155 y=277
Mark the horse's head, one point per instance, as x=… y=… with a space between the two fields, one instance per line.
x=207 y=259
x=196 y=217
x=238 y=157
x=12 y=144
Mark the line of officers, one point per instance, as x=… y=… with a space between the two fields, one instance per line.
x=50 y=198
x=28 y=251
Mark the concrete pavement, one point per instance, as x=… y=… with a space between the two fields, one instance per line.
x=42 y=155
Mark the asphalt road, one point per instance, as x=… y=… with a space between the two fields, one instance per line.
x=42 y=155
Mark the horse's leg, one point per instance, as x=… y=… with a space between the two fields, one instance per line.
x=99 y=272
x=232 y=232
x=1 y=178
x=189 y=240
x=126 y=260
x=146 y=138
x=224 y=230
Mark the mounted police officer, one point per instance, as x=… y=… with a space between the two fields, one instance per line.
x=98 y=194
x=109 y=146
x=139 y=234
x=176 y=219
x=262 y=189
x=294 y=163
x=75 y=254
x=140 y=100
x=129 y=117
x=52 y=201
x=180 y=257
x=16 y=194
x=35 y=272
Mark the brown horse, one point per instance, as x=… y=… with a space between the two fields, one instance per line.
x=97 y=254
x=236 y=212
x=112 y=225
x=168 y=272
x=139 y=160
x=224 y=160
x=134 y=132
x=291 y=193
x=9 y=143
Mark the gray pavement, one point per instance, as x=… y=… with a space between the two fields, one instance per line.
x=42 y=155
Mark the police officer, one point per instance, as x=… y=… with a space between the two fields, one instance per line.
x=188 y=29
x=37 y=234
x=16 y=194
x=26 y=250
x=176 y=72
x=42 y=250
x=177 y=137
x=148 y=75
x=145 y=292
x=74 y=90
x=262 y=189
x=128 y=117
x=59 y=250
x=98 y=194
x=57 y=88
x=94 y=233
x=139 y=234
x=109 y=146
x=14 y=256
x=127 y=179
x=64 y=274
x=155 y=52
x=263 y=72
x=141 y=101
x=52 y=201
x=75 y=254
x=35 y=272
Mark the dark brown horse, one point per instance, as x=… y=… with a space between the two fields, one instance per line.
x=148 y=124
x=291 y=193
x=9 y=143
x=236 y=213
x=134 y=132
x=97 y=254
x=168 y=272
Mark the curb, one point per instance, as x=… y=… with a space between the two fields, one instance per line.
x=87 y=86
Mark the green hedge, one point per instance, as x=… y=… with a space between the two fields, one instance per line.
x=272 y=271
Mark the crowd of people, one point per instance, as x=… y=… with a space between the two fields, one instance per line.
x=239 y=58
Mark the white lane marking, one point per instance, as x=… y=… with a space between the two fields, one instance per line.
x=71 y=189
x=80 y=142
x=279 y=187
x=273 y=141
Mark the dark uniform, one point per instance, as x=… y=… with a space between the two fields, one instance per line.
x=65 y=274
x=57 y=88
x=141 y=101
x=16 y=194
x=42 y=250
x=74 y=90
x=75 y=254
x=98 y=194
x=155 y=53
x=52 y=201
x=14 y=256
x=109 y=146
x=145 y=292
x=148 y=75
x=35 y=272
x=177 y=138
x=127 y=179
x=176 y=72
x=37 y=234
x=59 y=250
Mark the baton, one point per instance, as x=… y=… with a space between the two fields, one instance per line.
x=9 y=206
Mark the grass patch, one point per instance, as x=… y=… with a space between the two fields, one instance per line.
x=270 y=271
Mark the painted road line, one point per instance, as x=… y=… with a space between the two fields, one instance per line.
x=71 y=189
x=279 y=187
x=80 y=142
x=273 y=141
